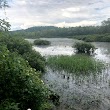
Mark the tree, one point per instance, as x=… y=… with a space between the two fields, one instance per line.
x=106 y=22
x=3 y=3
x=105 y=28
x=4 y=25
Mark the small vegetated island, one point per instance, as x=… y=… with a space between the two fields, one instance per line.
x=84 y=47
x=41 y=42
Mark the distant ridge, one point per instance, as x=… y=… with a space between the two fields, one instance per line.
x=37 y=28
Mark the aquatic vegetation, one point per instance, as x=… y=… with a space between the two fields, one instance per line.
x=83 y=47
x=41 y=42
x=81 y=64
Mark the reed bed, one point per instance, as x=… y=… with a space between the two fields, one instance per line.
x=82 y=64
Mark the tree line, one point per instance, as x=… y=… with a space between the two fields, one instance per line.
x=51 y=31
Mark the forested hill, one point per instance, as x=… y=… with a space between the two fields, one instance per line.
x=51 y=31
x=40 y=28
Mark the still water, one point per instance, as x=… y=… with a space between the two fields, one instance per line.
x=78 y=92
x=58 y=47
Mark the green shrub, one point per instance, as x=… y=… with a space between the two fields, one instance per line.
x=9 y=105
x=90 y=38
x=18 y=81
x=35 y=60
x=81 y=64
x=41 y=42
x=106 y=39
x=18 y=45
x=82 y=47
x=24 y=48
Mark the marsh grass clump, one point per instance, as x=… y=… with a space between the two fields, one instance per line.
x=41 y=42
x=82 y=64
x=83 y=47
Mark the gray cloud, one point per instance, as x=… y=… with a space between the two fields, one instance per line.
x=27 y=13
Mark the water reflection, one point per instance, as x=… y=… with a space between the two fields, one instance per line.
x=102 y=51
x=79 y=92
x=55 y=50
x=58 y=46
x=63 y=46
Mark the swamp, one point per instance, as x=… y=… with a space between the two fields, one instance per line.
x=54 y=55
x=77 y=91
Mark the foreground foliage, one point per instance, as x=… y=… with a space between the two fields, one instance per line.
x=77 y=64
x=20 y=46
x=24 y=48
x=4 y=25
x=41 y=42
x=35 y=60
x=20 y=85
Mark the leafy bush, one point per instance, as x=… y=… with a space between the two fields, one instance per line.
x=41 y=42
x=9 y=105
x=35 y=60
x=20 y=46
x=82 y=47
x=21 y=83
x=24 y=48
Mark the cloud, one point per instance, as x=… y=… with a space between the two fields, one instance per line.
x=72 y=9
x=82 y=23
x=27 y=13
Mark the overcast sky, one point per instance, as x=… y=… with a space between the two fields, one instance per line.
x=27 y=13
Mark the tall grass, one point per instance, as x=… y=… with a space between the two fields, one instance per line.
x=75 y=64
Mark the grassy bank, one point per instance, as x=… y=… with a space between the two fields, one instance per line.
x=81 y=64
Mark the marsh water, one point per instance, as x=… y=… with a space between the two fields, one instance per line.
x=78 y=92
